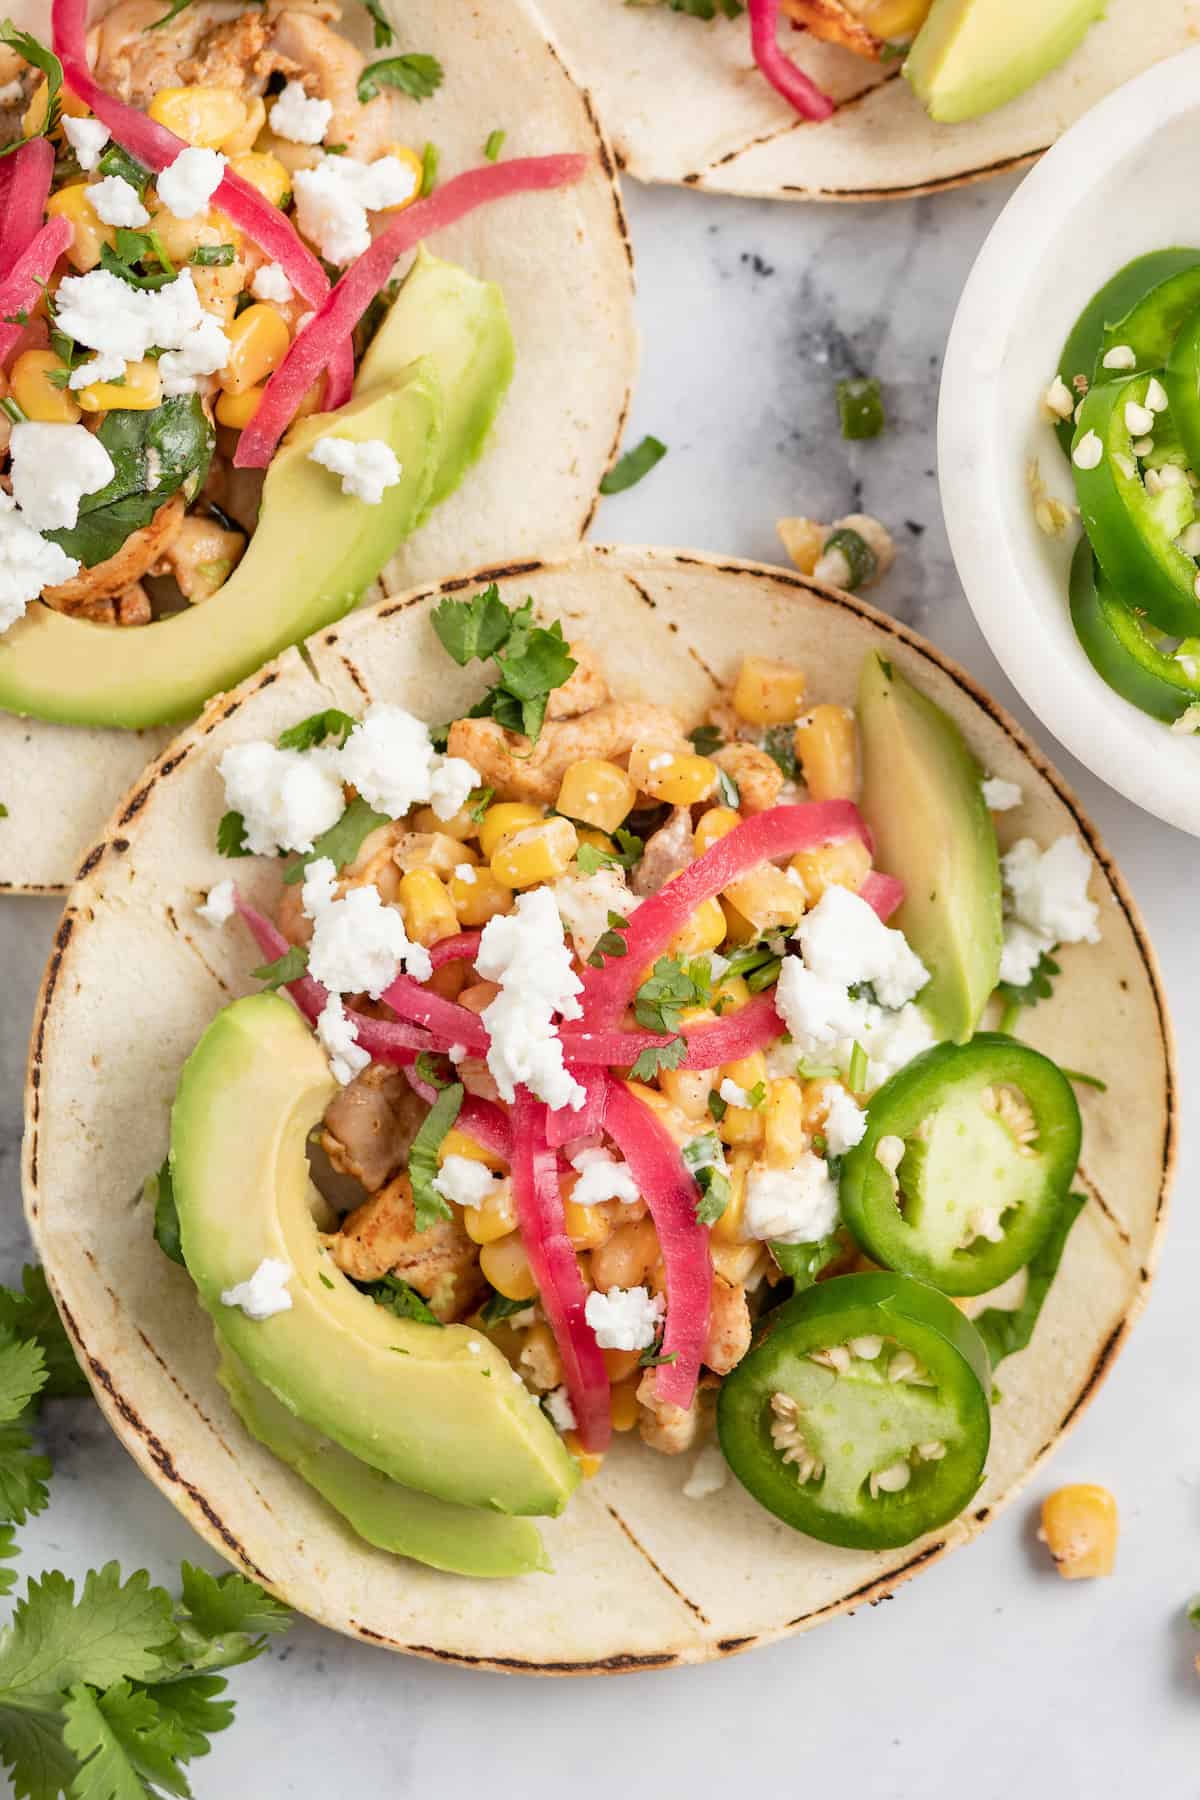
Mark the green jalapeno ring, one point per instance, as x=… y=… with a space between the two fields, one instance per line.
x=1119 y=648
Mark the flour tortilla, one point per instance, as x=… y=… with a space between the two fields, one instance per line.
x=643 y=1576
x=564 y=263
x=684 y=102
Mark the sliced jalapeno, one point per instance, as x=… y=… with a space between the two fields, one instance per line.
x=966 y=1161
x=1110 y=307
x=1181 y=379
x=861 y=560
x=860 y=1415
x=1132 y=529
x=1122 y=651
x=1150 y=326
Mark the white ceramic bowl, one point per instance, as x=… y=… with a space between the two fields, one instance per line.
x=1123 y=181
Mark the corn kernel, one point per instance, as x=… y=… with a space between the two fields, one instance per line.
x=237 y=410
x=678 y=777
x=538 y=1353
x=493 y=1221
x=506 y=1266
x=767 y=898
x=1079 y=1528
x=241 y=141
x=785 y=1137
x=428 y=909
x=738 y=928
x=37 y=396
x=587 y=1226
x=265 y=173
x=744 y=1124
x=140 y=391
x=716 y=823
x=621 y=1364
x=729 y=1228
x=768 y=693
x=460 y=1143
x=90 y=233
x=688 y=1089
x=735 y=1262
x=179 y=237
x=218 y=289
x=206 y=116
x=832 y=865
x=541 y=852
x=677 y=1123
x=259 y=338
x=704 y=930
x=435 y=850
x=826 y=743
x=411 y=158
x=628 y=1256
x=804 y=541
x=590 y=1464
x=599 y=840
x=623 y=1405
x=478 y=897
x=501 y=821
x=462 y=826
x=894 y=18
x=597 y=793
x=732 y=993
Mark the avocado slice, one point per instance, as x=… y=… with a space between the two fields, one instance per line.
x=971 y=56
x=923 y=799
x=435 y=1407
x=430 y=385
x=462 y=1540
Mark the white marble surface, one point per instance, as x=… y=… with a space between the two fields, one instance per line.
x=987 y=1676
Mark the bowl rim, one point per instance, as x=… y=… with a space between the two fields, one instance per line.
x=1132 y=753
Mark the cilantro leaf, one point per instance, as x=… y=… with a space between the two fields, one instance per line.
x=532 y=659
x=8 y=1549
x=155 y=455
x=23 y=1476
x=499 y=1306
x=213 y=256
x=634 y=466
x=116 y=161
x=780 y=745
x=28 y=47
x=234 y=1613
x=121 y=1742
x=160 y=1189
x=342 y=842
x=22 y=1374
x=716 y=1106
x=704 y=1158
x=428 y=1205
x=610 y=942
x=332 y=723
x=658 y=1057
x=1040 y=986
x=413 y=74
x=706 y=739
x=804 y=1262
x=288 y=967
x=404 y=1301
x=478 y=801
x=114 y=1629
x=231 y=835
x=627 y=855
x=1005 y=1332
x=673 y=986
x=33 y=1314
x=384 y=34
x=473 y=630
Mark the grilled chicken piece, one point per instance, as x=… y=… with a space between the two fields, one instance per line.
x=370 y=1125
x=381 y=1239
x=507 y=763
x=835 y=23
x=122 y=571
x=671 y=848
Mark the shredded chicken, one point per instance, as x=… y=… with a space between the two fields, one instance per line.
x=758 y=776
x=583 y=691
x=136 y=557
x=671 y=848
x=381 y=1239
x=671 y=1429
x=728 y=1326
x=202 y=556
x=329 y=67
x=370 y=1125
x=506 y=763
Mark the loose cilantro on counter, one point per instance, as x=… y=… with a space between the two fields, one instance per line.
x=532 y=659
x=634 y=466
x=413 y=74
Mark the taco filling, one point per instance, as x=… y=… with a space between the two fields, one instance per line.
x=642 y=1097
x=201 y=214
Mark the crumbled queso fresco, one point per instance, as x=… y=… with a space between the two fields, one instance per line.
x=334 y=198
x=264 y=1293
x=295 y=117
x=624 y=1318
x=1046 y=903
x=525 y=953
x=367 y=469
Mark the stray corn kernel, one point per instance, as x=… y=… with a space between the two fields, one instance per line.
x=1079 y=1528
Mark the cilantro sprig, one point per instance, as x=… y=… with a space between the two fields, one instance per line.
x=288 y=967
x=627 y=853
x=658 y=1057
x=317 y=728
x=342 y=842
x=671 y=988
x=532 y=660
x=402 y=1300
x=610 y=942
x=413 y=74
x=36 y=54
x=231 y=835
x=704 y=1158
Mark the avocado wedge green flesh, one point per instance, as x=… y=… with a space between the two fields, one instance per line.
x=437 y=1408
x=461 y=1540
x=923 y=800
x=971 y=56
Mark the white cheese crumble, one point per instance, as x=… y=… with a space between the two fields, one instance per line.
x=28 y=563
x=465 y=872
x=338 y=1036
x=333 y=200
x=1000 y=795
x=270 y=283
x=87 y=138
x=709 y=1474
x=388 y=757
x=105 y=314
x=732 y=1094
x=844 y=940
x=264 y=1293
x=53 y=467
x=1088 y=451
x=602 y=1177
x=286 y=797
x=624 y=1318
x=1048 y=893
x=465 y=1181
x=218 y=907
x=451 y=783
x=558 y=1404
x=319 y=888
x=825 y=1023
x=791 y=1206
x=297 y=118
x=116 y=202
x=585 y=901
x=892 y=1039
x=366 y=469
x=845 y=1122
x=525 y=953
x=186 y=186
x=359 y=946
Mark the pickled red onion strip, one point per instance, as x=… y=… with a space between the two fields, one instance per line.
x=22 y=287
x=795 y=86
x=25 y=177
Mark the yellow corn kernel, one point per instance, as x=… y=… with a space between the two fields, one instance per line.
x=587 y=1226
x=832 y=865
x=412 y=160
x=736 y=1262
x=541 y=852
x=237 y=410
x=733 y=994
x=677 y=1123
x=506 y=1266
x=768 y=693
x=460 y=1143
x=264 y=172
x=678 y=777
x=623 y=1404
x=35 y=112
x=628 y=1256
x=596 y=793
x=477 y=896
x=767 y=898
x=179 y=237
x=218 y=290
x=1079 y=1528
x=688 y=1089
x=501 y=821
x=785 y=1137
x=90 y=232
x=729 y=1228
x=259 y=338
x=428 y=909
x=894 y=18
x=826 y=743
x=241 y=141
x=716 y=823
x=704 y=930
x=140 y=391
x=37 y=396
x=599 y=840
x=590 y=1464
x=492 y=1222
x=744 y=1124
x=206 y=116
x=462 y=826
x=738 y=928
x=804 y=540
x=435 y=850
x=621 y=1364
x=818 y=1095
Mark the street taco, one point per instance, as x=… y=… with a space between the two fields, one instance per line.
x=677 y=1286
x=209 y=231
x=849 y=99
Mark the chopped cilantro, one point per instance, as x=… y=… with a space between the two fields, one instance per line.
x=494 y=145
x=1004 y=1332
x=413 y=74
x=332 y=723
x=403 y=1300
x=160 y=1190
x=610 y=942
x=116 y=161
x=705 y=1159
x=499 y=1306
x=673 y=986
x=325 y=1281
x=478 y=801
x=804 y=1262
x=651 y=1062
x=780 y=745
x=634 y=466
x=28 y=47
x=431 y=158
x=716 y=1106
x=652 y=1356
x=342 y=842
x=628 y=853
x=288 y=967
x=212 y=256
x=231 y=835
x=532 y=660
x=1040 y=986
x=428 y=1205
x=384 y=34
x=706 y=740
